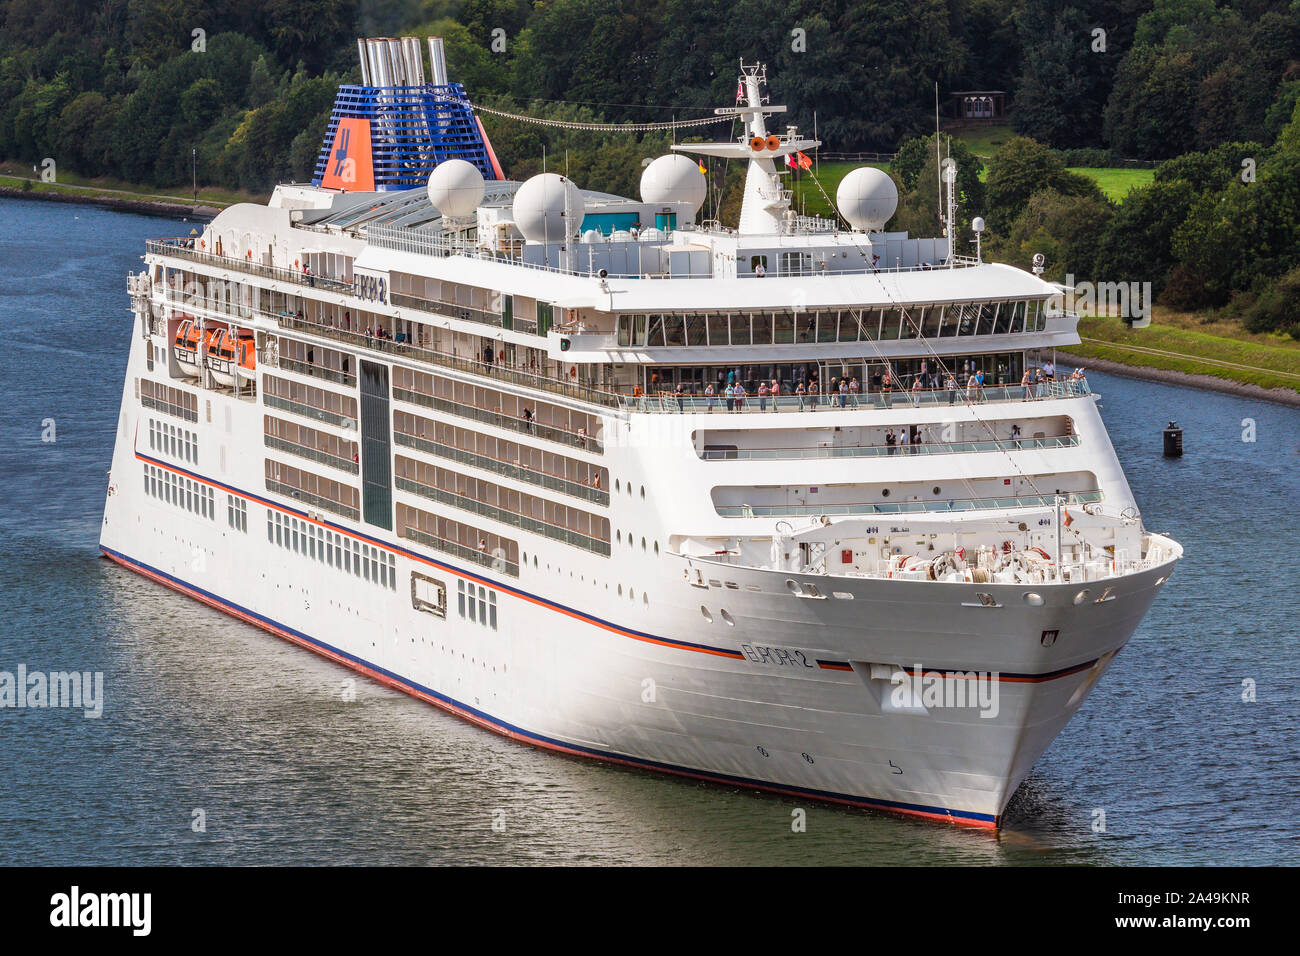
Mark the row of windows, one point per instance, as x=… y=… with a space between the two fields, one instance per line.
x=168 y=400
x=332 y=549
x=475 y=602
x=173 y=440
x=237 y=513
x=179 y=491
x=842 y=325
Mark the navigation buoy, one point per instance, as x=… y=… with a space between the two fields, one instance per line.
x=1173 y=441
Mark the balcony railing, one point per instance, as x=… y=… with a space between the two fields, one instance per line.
x=906 y=507
x=183 y=248
x=508 y=469
x=312 y=454
x=450 y=310
x=575 y=538
x=491 y=417
x=881 y=451
x=318 y=371
x=329 y=504
x=671 y=402
x=461 y=551
x=310 y=411
x=419 y=353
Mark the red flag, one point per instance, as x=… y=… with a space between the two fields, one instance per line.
x=804 y=162
x=1068 y=520
x=790 y=161
x=740 y=89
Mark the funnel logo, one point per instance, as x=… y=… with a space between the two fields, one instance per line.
x=350 y=165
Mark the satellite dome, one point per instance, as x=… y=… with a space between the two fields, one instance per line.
x=455 y=188
x=540 y=206
x=867 y=198
x=674 y=178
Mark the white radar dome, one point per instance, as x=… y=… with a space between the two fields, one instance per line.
x=455 y=188
x=540 y=206
x=867 y=198
x=674 y=178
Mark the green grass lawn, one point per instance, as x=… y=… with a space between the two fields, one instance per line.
x=1116 y=182
x=1273 y=364
x=808 y=199
x=107 y=186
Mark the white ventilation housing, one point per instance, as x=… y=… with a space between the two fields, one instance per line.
x=456 y=188
x=548 y=208
x=674 y=179
x=867 y=198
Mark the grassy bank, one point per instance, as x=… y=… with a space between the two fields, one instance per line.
x=1185 y=343
x=21 y=176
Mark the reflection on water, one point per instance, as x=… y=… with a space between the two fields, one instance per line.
x=207 y=713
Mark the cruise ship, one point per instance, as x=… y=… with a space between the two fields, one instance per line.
x=796 y=504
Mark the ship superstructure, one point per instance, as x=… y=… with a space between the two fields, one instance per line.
x=800 y=505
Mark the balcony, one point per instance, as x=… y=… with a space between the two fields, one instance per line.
x=312 y=454
x=907 y=507
x=882 y=451
x=509 y=470
x=461 y=551
x=183 y=248
x=575 y=538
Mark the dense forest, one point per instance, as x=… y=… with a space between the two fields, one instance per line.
x=129 y=88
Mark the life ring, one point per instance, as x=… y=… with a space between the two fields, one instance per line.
x=773 y=142
x=758 y=144
x=1007 y=547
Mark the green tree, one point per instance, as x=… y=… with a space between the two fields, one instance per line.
x=1021 y=167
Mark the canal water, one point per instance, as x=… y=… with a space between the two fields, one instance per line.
x=208 y=719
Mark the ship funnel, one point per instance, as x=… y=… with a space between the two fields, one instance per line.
x=437 y=62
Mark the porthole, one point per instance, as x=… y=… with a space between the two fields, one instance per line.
x=617 y=485
x=884 y=492
x=618 y=536
x=728 y=618
x=936 y=489
x=1081 y=596
x=1033 y=599
x=656 y=547
x=643 y=492
x=643 y=544
x=620 y=590
x=707 y=616
x=631 y=594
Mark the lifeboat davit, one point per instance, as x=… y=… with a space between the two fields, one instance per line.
x=232 y=352
x=186 y=347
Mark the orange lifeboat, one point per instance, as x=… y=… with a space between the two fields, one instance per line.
x=186 y=347
x=232 y=352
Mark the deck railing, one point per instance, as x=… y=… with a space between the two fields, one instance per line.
x=906 y=507
x=882 y=451
x=183 y=248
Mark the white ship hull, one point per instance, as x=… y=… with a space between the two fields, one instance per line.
x=572 y=667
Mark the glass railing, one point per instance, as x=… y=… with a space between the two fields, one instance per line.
x=450 y=310
x=551 y=482
x=907 y=507
x=420 y=353
x=461 y=551
x=882 y=451
x=329 y=504
x=183 y=248
x=312 y=454
x=499 y=419
x=671 y=402
x=310 y=411
x=318 y=371
x=575 y=538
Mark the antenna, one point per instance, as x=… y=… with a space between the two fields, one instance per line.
x=949 y=173
x=937 y=156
